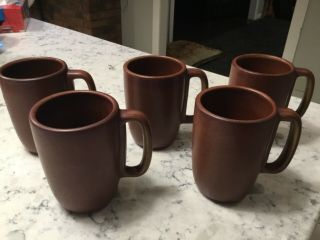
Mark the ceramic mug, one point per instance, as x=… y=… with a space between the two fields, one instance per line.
x=272 y=75
x=25 y=81
x=233 y=131
x=81 y=139
x=158 y=86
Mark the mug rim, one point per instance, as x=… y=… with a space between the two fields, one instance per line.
x=33 y=119
x=230 y=120
x=141 y=76
x=262 y=56
x=28 y=59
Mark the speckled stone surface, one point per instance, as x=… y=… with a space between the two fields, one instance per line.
x=164 y=203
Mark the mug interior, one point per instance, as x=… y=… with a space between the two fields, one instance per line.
x=237 y=104
x=264 y=64
x=155 y=66
x=32 y=68
x=73 y=110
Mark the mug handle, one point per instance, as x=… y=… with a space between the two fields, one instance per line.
x=75 y=73
x=140 y=118
x=308 y=92
x=192 y=72
x=290 y=147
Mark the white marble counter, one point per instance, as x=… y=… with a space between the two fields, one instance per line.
x=164 y=203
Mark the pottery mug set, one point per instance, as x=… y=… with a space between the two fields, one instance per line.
x=80 y=135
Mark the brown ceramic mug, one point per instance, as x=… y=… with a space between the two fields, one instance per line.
x=233 y=131
x=81 y=139
x=25 y=81
x=158 y=86
x=272 y=75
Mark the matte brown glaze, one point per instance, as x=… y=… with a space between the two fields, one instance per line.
x=158 y=86
x=272 y=75
x=81 y=141
x=233 y=131
x=25 y=81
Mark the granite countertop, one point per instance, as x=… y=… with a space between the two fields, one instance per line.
x=164 y=203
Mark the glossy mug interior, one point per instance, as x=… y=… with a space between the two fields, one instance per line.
x=25 y=81
x=158 y=86
x=233 y=131
x=272 y=75
x=81 y=141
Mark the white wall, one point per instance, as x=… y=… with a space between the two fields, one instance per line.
x=145 y=25
x=255 y=9
x=307 y=53
x=297 y=21
x=137 y=24
x=161 y=10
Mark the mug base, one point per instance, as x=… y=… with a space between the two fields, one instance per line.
x=226 y=203
x=224 y=200
x=86 y=211
x=157 y=148
x=34 y=153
